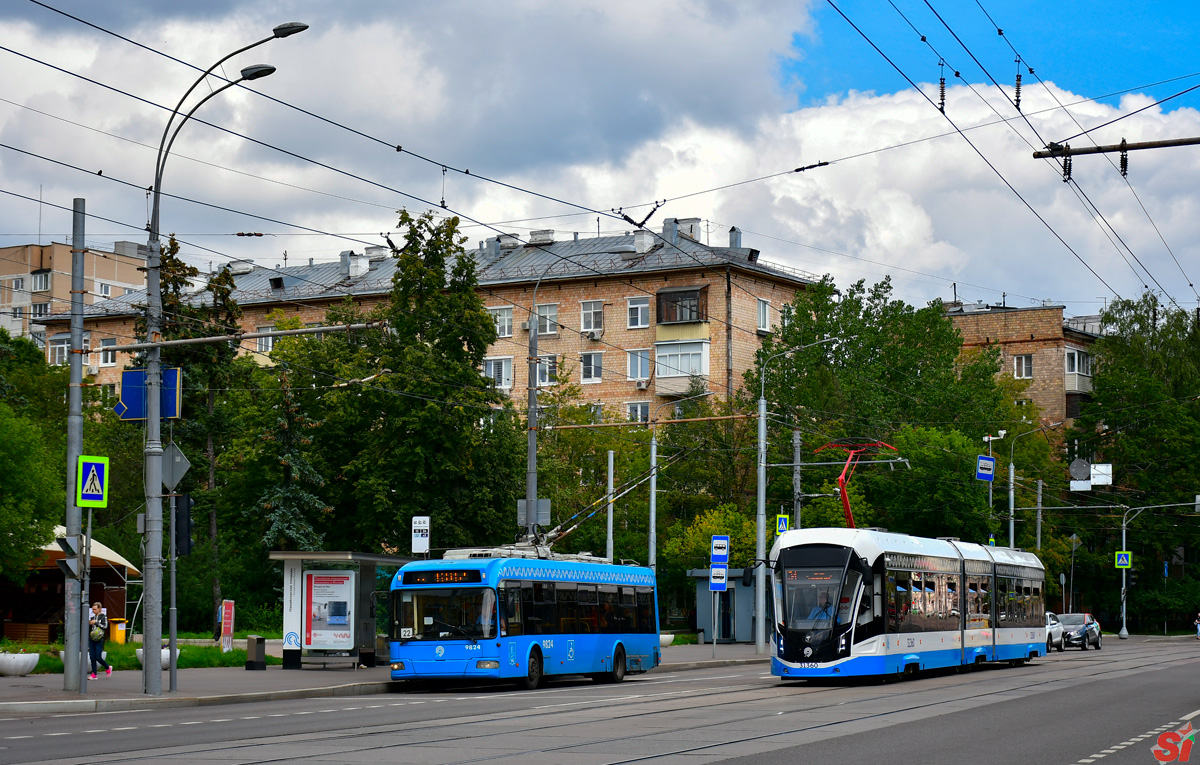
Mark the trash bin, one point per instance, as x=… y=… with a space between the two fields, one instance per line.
x=256 y=652
x=116 y=630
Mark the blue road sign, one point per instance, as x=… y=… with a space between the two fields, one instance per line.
x=717 y=577
x=991 y=540
x=1166 y=570
x=781 y=524
x=91 y=482
x=132 y=403
x=720 y=549
x=985 y=469
x=1124 y=559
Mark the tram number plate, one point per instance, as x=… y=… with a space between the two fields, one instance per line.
x=808 y=665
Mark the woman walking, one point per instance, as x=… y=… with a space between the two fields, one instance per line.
x=97 y=629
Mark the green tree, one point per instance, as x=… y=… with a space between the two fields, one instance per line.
x=31 y=492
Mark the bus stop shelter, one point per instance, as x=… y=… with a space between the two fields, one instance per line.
x=330 y=605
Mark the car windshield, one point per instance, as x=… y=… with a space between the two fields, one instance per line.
x=463 y=613
x=1071 y=620
x=812 y=597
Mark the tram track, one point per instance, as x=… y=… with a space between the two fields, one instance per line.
x=633 y=705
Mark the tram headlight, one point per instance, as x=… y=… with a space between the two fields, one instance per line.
x=842 y=643
x=487 y=664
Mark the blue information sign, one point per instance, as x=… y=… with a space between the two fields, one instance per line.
x=132 y=403
x=717 y=577
x=720 y=549
x=985 y=469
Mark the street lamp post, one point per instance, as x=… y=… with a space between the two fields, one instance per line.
x=654 y=475
x=152 y=620
x=989 y=439
x=1125 y=519
x=1012 y=476
x=760 y=548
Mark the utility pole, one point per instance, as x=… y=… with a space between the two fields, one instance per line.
x=609 y=549
x=1039 y=515
x=797 y=448
x=73 y=595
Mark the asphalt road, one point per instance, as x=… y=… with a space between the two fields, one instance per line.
x=1076 y=707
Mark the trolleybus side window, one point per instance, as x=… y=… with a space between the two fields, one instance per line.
x=567 y=594
x=540 y=608
x=589 y=618
x=627 y=610
x=645 y=610
x=608 y=609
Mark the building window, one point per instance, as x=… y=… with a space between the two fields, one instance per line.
x=683 y=305
x=592 y=365
x=105 y=290
x=639 y=411
x=593 y=315
x=39 y=339
x=18 y=312
x=41 y=281
x=503 y=319
x=547 y=319
x=108 y=358
x=597 y=412
x=764 y=315
x=499 y=371
x=109 y=391
x=1079 y=362
x=41 y=309
x=1023 y=367
x=58 y=352
x=265 y=344
x=547 y=370
x=681 y=359
x=18 y=285
x=639 y=313
x=639 y=364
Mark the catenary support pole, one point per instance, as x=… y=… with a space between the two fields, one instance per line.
x=1039 y=515
x=797 y=451
x=760 y=580
x=73 y=595
x=609 y=549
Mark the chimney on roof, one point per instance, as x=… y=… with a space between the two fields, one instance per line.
x=671 y=230
x=735 y=238
x=509 y=241
x=310 y=262
x=376 y=252
x=643 y=240
x=352 y=264
x=690 y=227
x=545 y=236
x=492 y=248
x=130 y=249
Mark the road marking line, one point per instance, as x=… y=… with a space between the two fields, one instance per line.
x=10 y=738
x=282 y=714
x=302 y=713
x=1190 y=715
x=227 y=719
x=251 y=718
x=128 y=727
x=350 y=709
x=56 y=734
x=193 y=722
x=158 y=725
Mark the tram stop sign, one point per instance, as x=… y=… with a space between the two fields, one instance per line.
x=717 y=577
x=985 y=469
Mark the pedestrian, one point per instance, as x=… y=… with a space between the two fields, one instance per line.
x=1198 y=626
x=97 y=629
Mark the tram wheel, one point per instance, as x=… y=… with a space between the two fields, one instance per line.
x=533 y=672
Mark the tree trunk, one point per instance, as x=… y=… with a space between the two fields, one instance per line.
x=212 y=519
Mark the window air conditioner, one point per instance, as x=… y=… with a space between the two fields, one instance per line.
x=93 y=369
x=524 y=326
x=641 y=384
x=594 y=334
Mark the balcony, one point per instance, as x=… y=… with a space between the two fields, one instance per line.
x=1078 y=383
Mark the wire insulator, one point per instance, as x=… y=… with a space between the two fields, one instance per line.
x=1017 y=95
x=1067 y=169
x=1124 y=160
x=942 y=100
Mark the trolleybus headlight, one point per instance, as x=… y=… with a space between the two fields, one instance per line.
x=397 y=665
x=487 y=664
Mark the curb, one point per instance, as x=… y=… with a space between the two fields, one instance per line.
x=66 y=706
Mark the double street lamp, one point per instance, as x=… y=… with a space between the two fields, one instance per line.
x=1012 y=477
x=152 y=628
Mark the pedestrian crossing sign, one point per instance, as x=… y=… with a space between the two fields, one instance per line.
x=91 y=482
x=1124 y=559
x=781 y=524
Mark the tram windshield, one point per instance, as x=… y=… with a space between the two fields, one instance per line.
x=812 y=597
x=465 y=613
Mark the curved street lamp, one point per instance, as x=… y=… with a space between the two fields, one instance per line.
x=152 y=620
x=760 y=578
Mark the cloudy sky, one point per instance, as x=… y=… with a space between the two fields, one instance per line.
x=565 y=111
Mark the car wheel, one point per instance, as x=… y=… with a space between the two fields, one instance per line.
x=1098 y=639
x=533 y=673
x=1047 y=647
x=1083 y=645
x=1061 y=644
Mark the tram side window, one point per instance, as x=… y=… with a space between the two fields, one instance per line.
x=588 y=608
x=510 y=609
x=979 y=614
x=953 y=608
x=900 y=605
x=1038 y=607
x=608 y=609
x=1006 y=602
x=567 y=596
x=645 y=610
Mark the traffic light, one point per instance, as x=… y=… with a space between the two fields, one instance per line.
x=183 y=525
x=70 y=564
x=1132 y=576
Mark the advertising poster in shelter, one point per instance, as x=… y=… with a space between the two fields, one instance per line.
x=328 y=605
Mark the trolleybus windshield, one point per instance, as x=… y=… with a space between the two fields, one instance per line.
x=812 y=596
x=464 y=613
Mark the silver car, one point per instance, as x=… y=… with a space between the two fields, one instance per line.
x=1054 y=632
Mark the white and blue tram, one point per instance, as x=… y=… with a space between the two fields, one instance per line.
x=854 y=602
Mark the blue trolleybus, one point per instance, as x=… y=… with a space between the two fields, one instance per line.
x=488 y=614
x=866 y=602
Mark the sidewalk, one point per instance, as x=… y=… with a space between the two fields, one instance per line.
x=230 y=685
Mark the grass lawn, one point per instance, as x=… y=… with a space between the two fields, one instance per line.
x=123 y=656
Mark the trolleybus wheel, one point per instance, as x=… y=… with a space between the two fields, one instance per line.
x=533 y=673
x=618 y=670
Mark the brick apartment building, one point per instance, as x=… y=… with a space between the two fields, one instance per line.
x=35 y=282
x=1038 y=345
x=630 y=318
